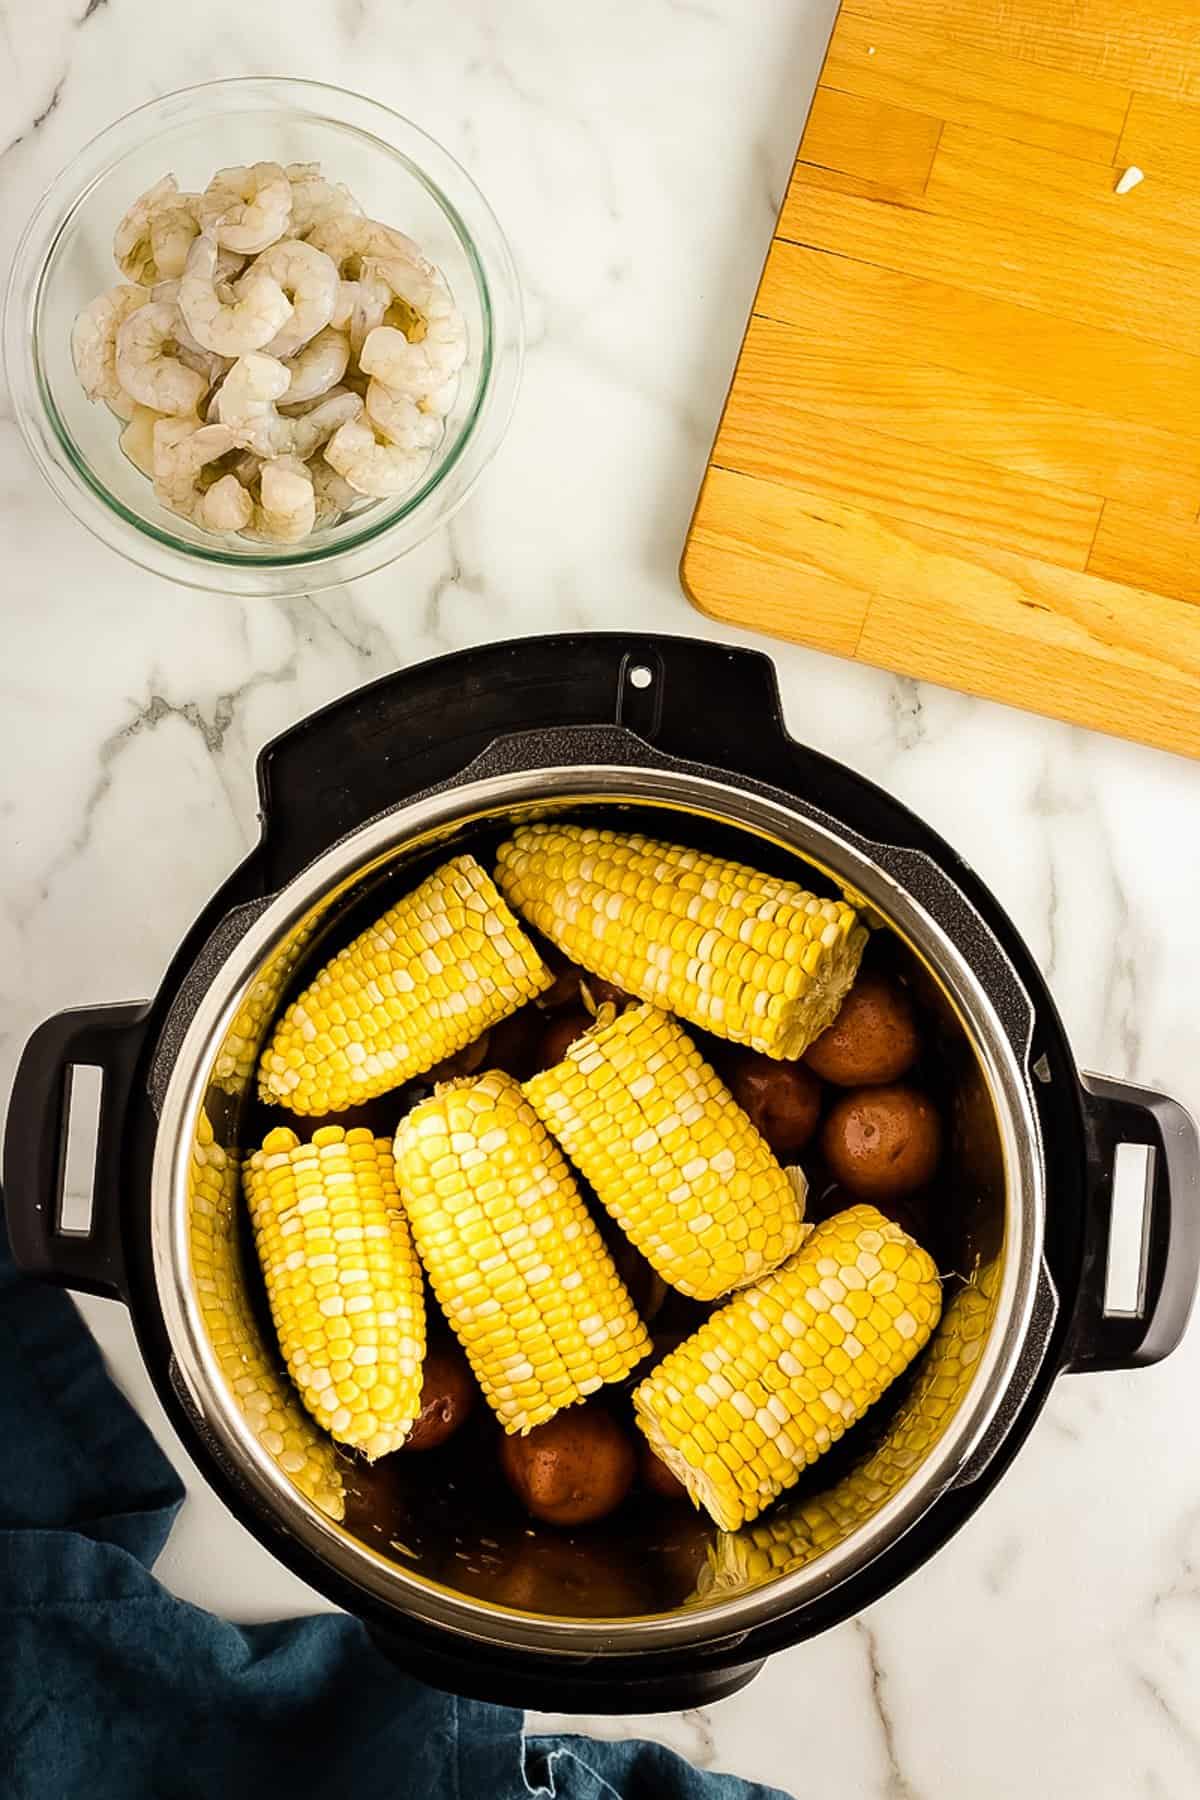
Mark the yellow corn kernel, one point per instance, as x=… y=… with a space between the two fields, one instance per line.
x=793 y=1323
x=439 y=968
x=768 y=964
x=343 y=1281
x=671 y=1154
x=513 y=1255
x=261 y=1392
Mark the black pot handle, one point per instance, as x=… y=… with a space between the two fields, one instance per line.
x=110 y=1039
x=1116 y=1114
x=414 y=730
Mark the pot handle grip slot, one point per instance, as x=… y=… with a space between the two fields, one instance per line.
x=69 y=1232
x=1144 y=1172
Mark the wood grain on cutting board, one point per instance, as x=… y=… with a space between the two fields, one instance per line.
x=963 y=436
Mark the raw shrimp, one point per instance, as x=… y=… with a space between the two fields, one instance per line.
x=314 y=198
x=310 y=281
x=288 y=509
x=315 y=427
x=400 y=419
x=439 y=403
x=137 y=439
x=260 y=311
x=371 y=467
x=225 y=506
x=334 y=495
x=349 y=239
x=206 y=361
x=246 y=404
x=343 y=306
x=319 y=366
x=420 y=368
x=132 y=246
x=247 y=208
x=181 y=450
x=147 y=367
x=94 y=342
x=372 y=297
x=172 y=229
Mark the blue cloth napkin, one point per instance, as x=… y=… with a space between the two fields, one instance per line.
x=112 y=1689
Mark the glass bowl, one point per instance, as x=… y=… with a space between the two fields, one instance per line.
x=64 y=259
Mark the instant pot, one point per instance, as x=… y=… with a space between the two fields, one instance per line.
x=686 y=740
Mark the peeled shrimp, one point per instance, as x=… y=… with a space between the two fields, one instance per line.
x=320 y=423
x=314 y=198
x=225 y=506
x=181 y=449
x=172 y=228
x=334 y=495
x=400 y=419
x=137 y=439
x=147 y=367
x=246 y=405
x=247 y=208
x=372 y=467
x=309 y=279
x=231 y=328
x=132 y=246
x=288 y=509
x=94 y=342
x=420 y=368
x=349 y=239
x=319 y=366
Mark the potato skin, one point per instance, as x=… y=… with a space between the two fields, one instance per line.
x=658 y=1478
x=874 y=1039
x=574 y=1469
x=563 y=1030
x=882 y=1142
x=447 y=1397
x=783 y=1099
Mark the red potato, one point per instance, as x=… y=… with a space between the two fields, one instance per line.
x=514 y=1042
x=448 y=1393
x=873 y=1040
x=574 y=1469
x=781 y=1098
x=563 y=1030
x=658 y=1478
x=882 y=1143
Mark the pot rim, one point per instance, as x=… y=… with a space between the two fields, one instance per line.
x=761 y=812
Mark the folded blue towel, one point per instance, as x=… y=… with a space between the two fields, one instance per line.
x=112 y=1689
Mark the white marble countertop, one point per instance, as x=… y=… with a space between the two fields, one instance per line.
x=636 y=153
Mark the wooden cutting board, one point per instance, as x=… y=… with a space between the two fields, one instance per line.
x=963 y=436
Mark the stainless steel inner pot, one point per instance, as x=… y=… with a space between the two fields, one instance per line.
x=936 y=1430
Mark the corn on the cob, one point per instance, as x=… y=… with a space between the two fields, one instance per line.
x=797 y=1535
x=343 y=1281
x=267 y=1403
x=745 y=955
x=779 y=1373
x=439 y=968
x=514 y=1257
x=669 y=1152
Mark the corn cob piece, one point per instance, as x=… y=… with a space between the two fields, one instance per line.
x=796 y=1536
x=439 y=968
x=744 y=955
x=343 y=1281
x=514 y=1257
x=266 y=1401
x=778 y=1374
x=669 y=1152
